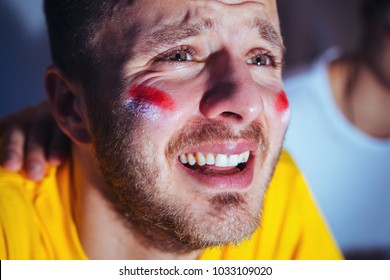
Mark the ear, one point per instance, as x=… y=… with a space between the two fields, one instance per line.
x=67 y=105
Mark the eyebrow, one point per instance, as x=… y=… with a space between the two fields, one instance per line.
x=268 y=32
x=171 y=34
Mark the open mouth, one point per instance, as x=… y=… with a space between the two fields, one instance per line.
x=215 y=164
x=226 y=166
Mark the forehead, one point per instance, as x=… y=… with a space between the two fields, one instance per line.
x=154 y=22
x=179 y=11
x=143 y=19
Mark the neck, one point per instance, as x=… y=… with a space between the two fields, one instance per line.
x=366 y=101
x=103 y=233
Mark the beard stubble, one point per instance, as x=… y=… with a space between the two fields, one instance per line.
x=142 y=196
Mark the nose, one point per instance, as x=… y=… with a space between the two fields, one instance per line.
x=232 y=94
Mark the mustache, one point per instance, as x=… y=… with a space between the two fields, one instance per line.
x=202 y=132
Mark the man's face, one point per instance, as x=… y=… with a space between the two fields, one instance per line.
x=190 y=142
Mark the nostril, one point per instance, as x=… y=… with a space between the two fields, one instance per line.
x=231 y=115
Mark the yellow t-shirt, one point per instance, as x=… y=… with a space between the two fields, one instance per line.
x=36 y=220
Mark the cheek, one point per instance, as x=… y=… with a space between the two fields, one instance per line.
x=148 y=96
x=281 y=102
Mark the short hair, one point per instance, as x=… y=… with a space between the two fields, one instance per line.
x=72 y=25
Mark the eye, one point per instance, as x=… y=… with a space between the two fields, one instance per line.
x=261 y=59
x=182 y=53
x=180 y=56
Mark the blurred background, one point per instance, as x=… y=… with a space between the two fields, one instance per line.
x=24 y=53
x=308 y=26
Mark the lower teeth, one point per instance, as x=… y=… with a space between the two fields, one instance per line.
x=210 y=170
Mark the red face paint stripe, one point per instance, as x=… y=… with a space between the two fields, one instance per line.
x=151 y=95
x=281 y=103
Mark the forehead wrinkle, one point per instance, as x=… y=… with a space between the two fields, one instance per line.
x=240 y=2
x=168 y=35
x=268 y=32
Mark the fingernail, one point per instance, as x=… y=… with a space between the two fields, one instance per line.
x=35 y=171
x=11 y=156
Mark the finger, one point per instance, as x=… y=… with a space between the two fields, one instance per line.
x=11 y=148
x=59 y=148
x=35 y=150
x=35 y=162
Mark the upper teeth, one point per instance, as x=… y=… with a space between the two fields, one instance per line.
x=220 y=160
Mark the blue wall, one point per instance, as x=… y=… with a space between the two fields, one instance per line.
x=24 y=54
